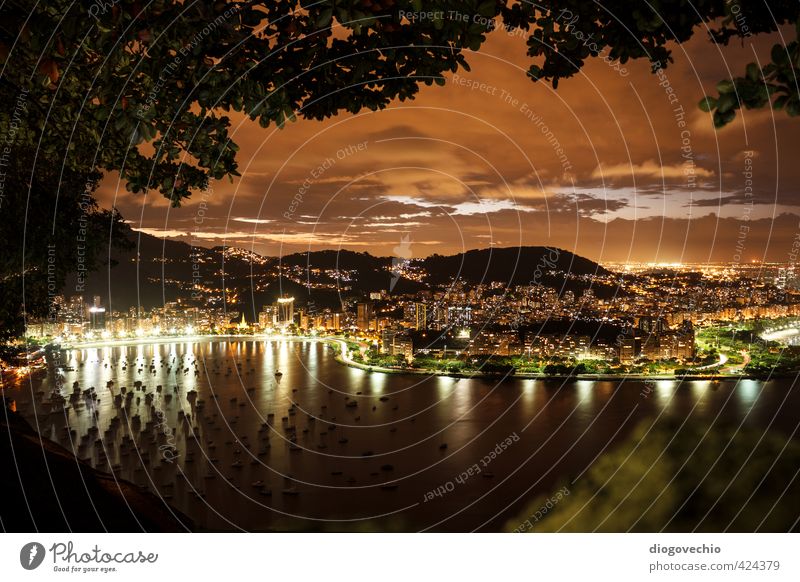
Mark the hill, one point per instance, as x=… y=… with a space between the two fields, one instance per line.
x=160 y=270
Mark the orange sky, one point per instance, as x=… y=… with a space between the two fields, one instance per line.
x=492 y=158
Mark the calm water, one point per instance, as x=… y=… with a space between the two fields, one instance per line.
x=365 y=466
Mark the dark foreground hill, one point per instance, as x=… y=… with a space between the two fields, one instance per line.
x=45 y=488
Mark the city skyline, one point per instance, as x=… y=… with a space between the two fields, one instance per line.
x=562 y=321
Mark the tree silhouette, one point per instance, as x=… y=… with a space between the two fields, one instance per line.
x=144 y=88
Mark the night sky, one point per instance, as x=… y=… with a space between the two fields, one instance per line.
x=602 y=166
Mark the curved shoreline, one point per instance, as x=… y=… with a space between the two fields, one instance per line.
x=343 y=358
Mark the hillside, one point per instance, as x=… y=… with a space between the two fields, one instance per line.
x=160 y=270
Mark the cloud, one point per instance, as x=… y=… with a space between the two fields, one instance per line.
x=453 y=159
x=647 y=168
x=389 y=224
x=253 y=220
x=586 y=204
x=304 y=238
x=404 y=216
x=341 y=179
x=479 y=207
x=161 y=232
x=488 y=206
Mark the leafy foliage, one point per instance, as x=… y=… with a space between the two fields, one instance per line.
x=146 y=88
x=775 y=83
x=51 y=226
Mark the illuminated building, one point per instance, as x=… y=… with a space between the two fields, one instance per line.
x=495 y=343
x=333 y=322
x=285 y=310
x=628 y=350
x=459 y=316
x=364 y=316
x=242 y=325
x=387 y=340
x=420 y=316
x=268 y=317
x=97 y=314
x=304 y=319
x=652 y=325
x=403 y=346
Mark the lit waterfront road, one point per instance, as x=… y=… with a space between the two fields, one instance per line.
x=722 y=359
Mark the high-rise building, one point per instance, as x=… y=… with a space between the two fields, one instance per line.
x=332 y=321
x=420 y=316
x=652 y=325
x=684 y=344
x=459 y=316
x=97 y=314
x=387 y=340
x=57 y=309
x=364 y=316
x=268 y=317
x=628 y=349
x=403 y=346
x=76 y=310
x=438 y=318
x=285 y=307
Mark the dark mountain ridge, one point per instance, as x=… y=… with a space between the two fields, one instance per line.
x=160 y=270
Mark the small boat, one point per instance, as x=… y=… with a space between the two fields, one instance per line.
x=278 y=373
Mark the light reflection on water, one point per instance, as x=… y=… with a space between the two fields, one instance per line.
x=327 y=462
x=748 y=391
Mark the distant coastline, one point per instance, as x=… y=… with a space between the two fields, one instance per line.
x=346 y=361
